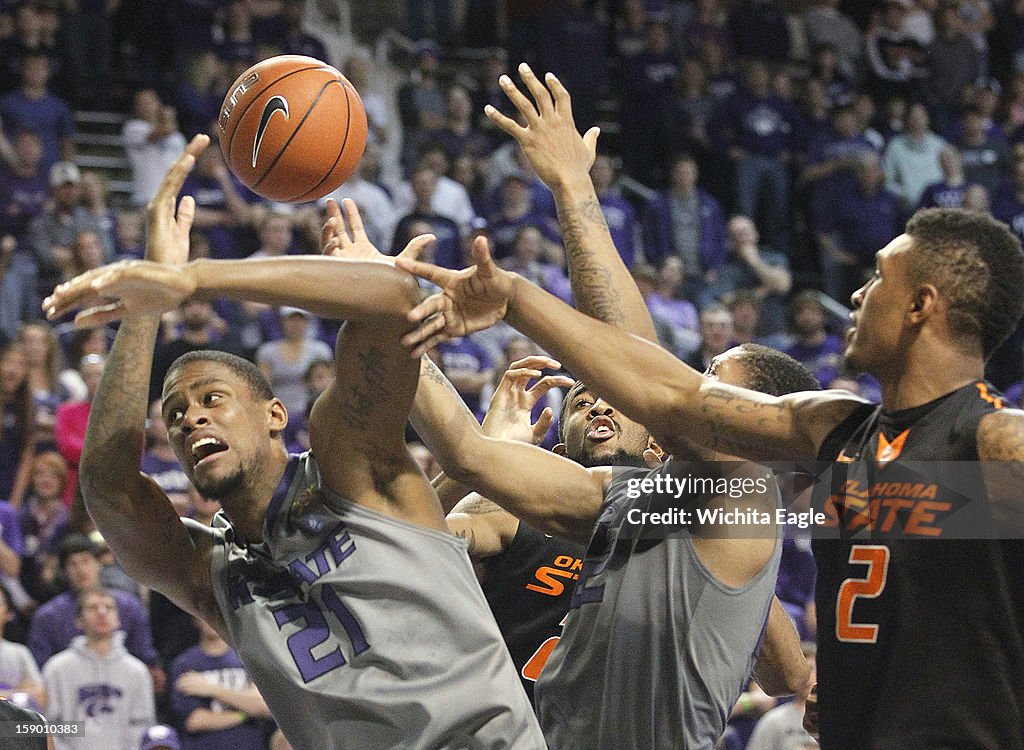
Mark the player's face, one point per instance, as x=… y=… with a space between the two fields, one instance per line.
x=219 y=430
x=596 y=432
x=876 y=339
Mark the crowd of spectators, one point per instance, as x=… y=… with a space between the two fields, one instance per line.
x=755 y=155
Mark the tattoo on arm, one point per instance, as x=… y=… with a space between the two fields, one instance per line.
x=364 y=396
x=592 y=288
x=432 y=372
x=721 y=408
x=470 y=536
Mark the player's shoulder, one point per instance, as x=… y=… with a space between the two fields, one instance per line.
x=1001 y=435
x=12 y=712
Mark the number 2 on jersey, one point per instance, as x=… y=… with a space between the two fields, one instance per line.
x=876 y=557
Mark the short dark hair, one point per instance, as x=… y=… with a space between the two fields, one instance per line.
x=243 y=368
x=73 y=544
x=769 y=371
x=977 y=264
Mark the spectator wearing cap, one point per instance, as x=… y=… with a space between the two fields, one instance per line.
x=33 y=107
x=153 y=143
x=214 y=698
x=949 y=192
x=619 y=213
x=51 y=233
x=160 y=737
x=284 y=362
x=54 y=626
x=686 y=221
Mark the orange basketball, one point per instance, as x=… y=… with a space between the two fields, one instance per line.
x=292 y=128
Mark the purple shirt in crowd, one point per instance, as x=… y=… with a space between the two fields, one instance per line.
x=227 y=671
x=53 y=627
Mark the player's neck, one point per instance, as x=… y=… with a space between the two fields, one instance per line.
x=247 y=506
x=925 y=378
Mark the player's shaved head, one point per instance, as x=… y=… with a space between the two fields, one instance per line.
x=243 y=368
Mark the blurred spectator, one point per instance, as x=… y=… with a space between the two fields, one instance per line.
x=98 y=682
x=72 y=419
x=222 y=211
x=646 y=279
x=458 y=136
x=976 y=199
x=686 y=221
x=762 y=271
x=284 y=362
x=813 y=346
x=896 y=60
x=235 y=40
x=54 y=625
x=911 y=160
x=27 y=37
x=201 y=328
x=128 y=235
x=373 y=202
x=429 y=18
x=17 y=444
x=94 y=200
x=90 y=35
x=160 y=737
x=378 y=118
x=953 y=61
x=153 y=143
x=44 y=365
x=527 y=260
x=630 y=27
x=795 y=584
x=757 y=130
x=52 y=233
x=948 y=192
x=83 y=343
x=276 y=236
x=449 y=199
x=1008 y=204
x=854 y=226
x=41 y=517
x=160 y=464
x=198 y=96
x=665 y=303
x=421 y=99
x=518 y=210
x=18 y=297
x=618 y=212
x=469 y=368
x=832 y=157
x=825 y=67
x=33 y=107
x=87 y=253
x=691 y=109
x=827 y=26
x=715 y=336
x=18 y=670
x=294 y=40
x=214 y=698
x=24 y=187
x=446 y=251
x=985 y=155
x=707 y=24
x=759 y=30
x=571 y=44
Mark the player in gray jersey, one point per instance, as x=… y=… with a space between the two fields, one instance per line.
x=640 y=664
x=332 y=574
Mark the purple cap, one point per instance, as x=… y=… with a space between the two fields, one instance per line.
x=160 y=736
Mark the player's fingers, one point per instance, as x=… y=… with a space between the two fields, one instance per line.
x=520 y=374
x=416 y=246
x=504 y=122
x=590 y=139
x=482 y=258
x=538 y=362
x=174 y=178
x=355 y=221
x=540 y=93
x=426 y=336
x=100 y=315
x=543 y=424
x=548 y=382
x=435 y=304
x=519 y=99
x=428 y=271
x=563 y=101
x=186 y=214
x=329 y=228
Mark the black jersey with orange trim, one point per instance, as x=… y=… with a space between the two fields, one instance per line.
x=920 y=640
x=528 y=587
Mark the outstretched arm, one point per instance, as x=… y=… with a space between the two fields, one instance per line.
x=602 y=286
x=781 y=668
x=649 y=385
x=130 y=510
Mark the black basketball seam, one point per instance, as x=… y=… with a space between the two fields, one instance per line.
x=341 y=151
x=257 y=96
x=295 y=132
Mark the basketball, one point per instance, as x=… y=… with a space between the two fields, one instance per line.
x=292 y=128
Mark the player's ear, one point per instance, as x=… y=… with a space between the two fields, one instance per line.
x=559 y=449
x=277 y=415
x=923 y=304
x=654 y=454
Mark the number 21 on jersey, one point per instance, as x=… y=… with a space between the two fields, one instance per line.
x=876 y=557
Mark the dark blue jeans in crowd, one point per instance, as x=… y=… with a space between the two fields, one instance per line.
x=763 y=181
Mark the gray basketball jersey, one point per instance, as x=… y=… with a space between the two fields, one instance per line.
x=363 y=632
x=655 y=650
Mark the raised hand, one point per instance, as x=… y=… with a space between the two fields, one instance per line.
x=550 y=140
x=167 y=232
x=470 y=300
x=339 y=242
x=509 y=413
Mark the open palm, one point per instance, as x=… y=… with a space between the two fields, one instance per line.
x=352 y=243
